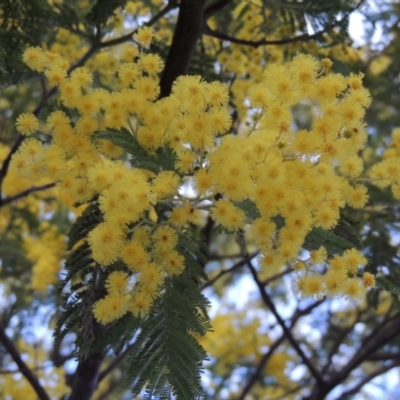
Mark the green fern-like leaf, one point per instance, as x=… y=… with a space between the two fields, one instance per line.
x=167 y=159
x=219 y=230
x=249 y=207
x=333 y=243
x=121 y=138
x=68 y=320
x=188 y=244
x=89 y=219
x=80 y=260
x=103 y=10
x=163 y=159
x=165 y=353
x=124 y=139
x=118 y=334
x=385 y=284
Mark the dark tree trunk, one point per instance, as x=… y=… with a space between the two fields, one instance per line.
x=187 y=32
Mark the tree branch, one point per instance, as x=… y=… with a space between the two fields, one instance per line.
x=339 y=340
x=349 y=394
x=6 y=162
x=25 y=193
x=114 y=363
x=373 y=342
x=23 y=368
x=170 y=6
x=257 y=43
x=384 y=356
x=272 y=278
x=237 y=265
x=86 y=378
x=263 y=361
x=215 y=7
x=287 y=332
x=260 y=366
x=187 y=32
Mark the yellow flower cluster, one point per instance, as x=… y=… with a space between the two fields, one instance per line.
x=387 y=172
x=45 y=251
x=302 y=176
x=27 y=124
x=83 y=167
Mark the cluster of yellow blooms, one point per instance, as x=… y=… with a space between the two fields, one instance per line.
x=45 y=251
x=302 y=176
x=236 y=341
x=254 y=20
x=387 y=172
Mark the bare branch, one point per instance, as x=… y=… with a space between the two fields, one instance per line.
x=25 y=193
x=339 y=340
x=267 y=281
x=349 y=394
x=23 y=368
x=215 y=7
x=260 y=367
x=6 y=162
x=114 y=363
x=257 y=43
x=263 y=361
x=377 y=339
x=239 y=264
x=384 y=356
x=287 y=332
x=170 y=6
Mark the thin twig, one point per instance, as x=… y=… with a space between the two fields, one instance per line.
x=114 y=363
x=377 y=339
x=23 y=368
x=349 y=394
x=172 y=4
x=257 y=43
x=260 y=367
x=339 y=340
x=215 y=7
x=237 y=265
x=267 y=281
x=6 y=162
x=25 y=193
x=263 y=361
x=287 y=332
x=301 y=38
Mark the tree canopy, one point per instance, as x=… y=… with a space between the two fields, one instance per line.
x=199 y=199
